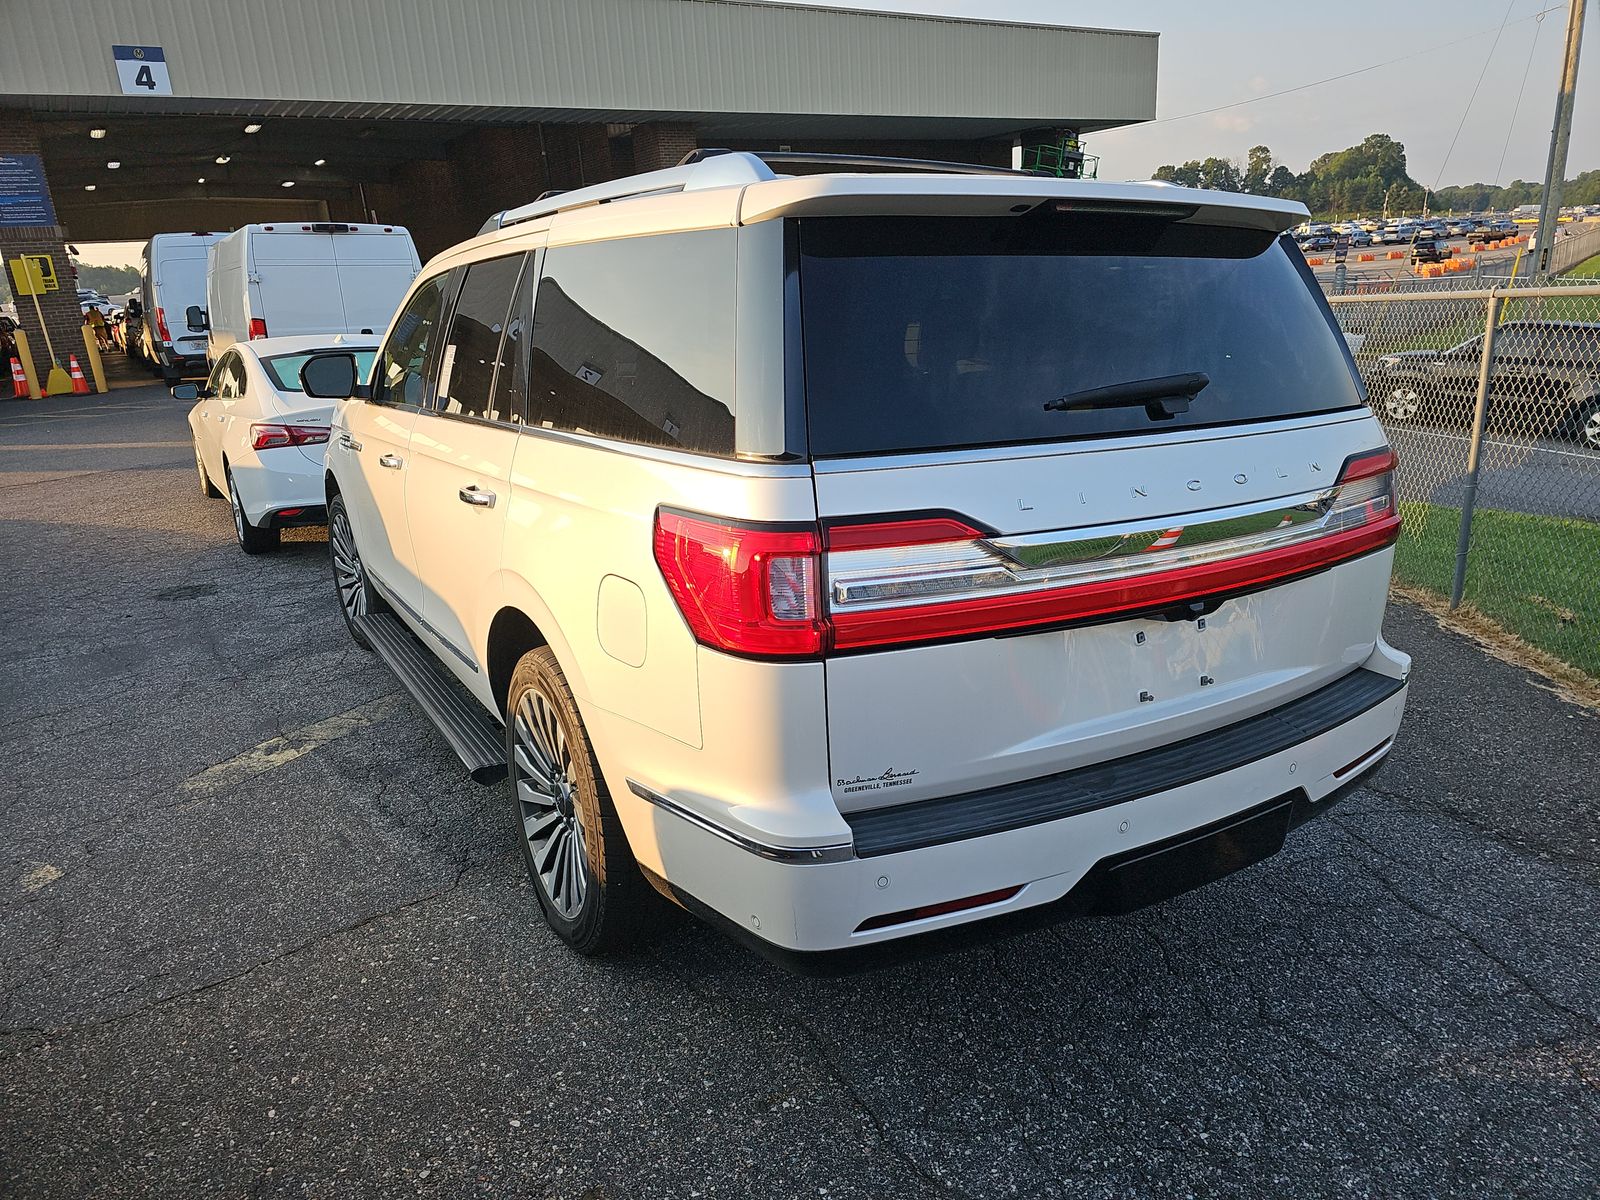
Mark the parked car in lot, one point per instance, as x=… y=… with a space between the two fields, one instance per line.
x=291 y=279
x=770 y=538
x=1545 y=382
x=1427 y=250
x=259 y=441
x=172 y=273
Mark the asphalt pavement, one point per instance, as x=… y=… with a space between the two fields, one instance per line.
x=263 y=938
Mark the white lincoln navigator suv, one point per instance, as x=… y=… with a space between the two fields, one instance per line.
x=852 y=555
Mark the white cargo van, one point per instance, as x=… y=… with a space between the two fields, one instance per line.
x=172 y=277
x=285 y=279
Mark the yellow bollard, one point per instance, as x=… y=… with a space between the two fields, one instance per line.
x=93 y=349
x=26 y=356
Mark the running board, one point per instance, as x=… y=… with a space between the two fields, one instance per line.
x=473 y=734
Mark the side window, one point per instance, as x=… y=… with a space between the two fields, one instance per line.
x=472 y=351
x=219 y=374
x=633 y=340
x=401 y=377
x=227 y=378
x=511 y=384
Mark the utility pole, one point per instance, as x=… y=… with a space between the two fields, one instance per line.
x=1556 y=167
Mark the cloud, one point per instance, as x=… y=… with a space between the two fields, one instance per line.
x=1257 y=84
x=1233 y=121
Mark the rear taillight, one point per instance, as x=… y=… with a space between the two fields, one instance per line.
x=161 y=324
x=270 y=437
x=746 y=589
x=785 y=591
x=258 y=328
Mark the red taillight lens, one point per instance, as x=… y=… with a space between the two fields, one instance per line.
x=270 y=437
x=746 y=589
x=258 y=328
x=759 y=590
x=161 y=324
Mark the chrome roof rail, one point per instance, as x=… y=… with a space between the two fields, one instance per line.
x=720 y=170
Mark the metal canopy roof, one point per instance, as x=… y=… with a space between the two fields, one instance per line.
x=612 y=60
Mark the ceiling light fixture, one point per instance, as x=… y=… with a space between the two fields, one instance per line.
x=88 y=187
x=252 y=128
x=321 y=162
x=113 y=165
x=224 y=159
x=202 y=179
x=287 y=183
x=97 y=134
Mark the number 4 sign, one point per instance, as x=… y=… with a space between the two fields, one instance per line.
x=142 y=70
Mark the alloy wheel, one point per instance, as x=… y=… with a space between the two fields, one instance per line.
x=238 y=509
x=347 y=572
x=1402 y=404
x=547 y=798
x=1591 y=429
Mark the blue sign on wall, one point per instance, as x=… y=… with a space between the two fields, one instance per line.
x=24 y=198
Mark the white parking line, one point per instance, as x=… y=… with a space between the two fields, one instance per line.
x=278 y=751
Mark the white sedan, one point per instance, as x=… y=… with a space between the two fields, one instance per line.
x=259 y=439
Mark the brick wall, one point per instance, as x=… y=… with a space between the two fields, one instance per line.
x=63 y=318
x=660 y=144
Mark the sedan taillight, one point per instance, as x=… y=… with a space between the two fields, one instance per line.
x=269 y=437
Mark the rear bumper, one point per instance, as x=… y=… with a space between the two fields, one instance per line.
x=278 y=479
x=806 y=907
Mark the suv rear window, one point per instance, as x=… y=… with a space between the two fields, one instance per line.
x=940 y=333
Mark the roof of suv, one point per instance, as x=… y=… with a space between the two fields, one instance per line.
x=712 y=188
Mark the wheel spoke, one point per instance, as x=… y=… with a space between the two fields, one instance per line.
x=537 y=825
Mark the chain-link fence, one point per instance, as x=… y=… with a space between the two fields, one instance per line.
x=1491 y=399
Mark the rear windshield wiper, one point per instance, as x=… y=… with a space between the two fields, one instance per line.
x=1163 y=397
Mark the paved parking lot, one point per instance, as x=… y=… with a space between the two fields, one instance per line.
x=262 y=938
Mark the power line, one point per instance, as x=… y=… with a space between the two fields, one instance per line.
x=1344 y=75
x=1461 y=124
x=1500 y=168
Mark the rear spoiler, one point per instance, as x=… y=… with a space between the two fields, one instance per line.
x=1004 y=195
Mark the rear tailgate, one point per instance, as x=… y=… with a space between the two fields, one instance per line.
x=295 y=283
x=375 y=269
x=1017 y=588
x=970 y=711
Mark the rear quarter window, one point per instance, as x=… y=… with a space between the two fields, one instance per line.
x=943 y=333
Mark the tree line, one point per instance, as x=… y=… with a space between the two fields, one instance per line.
x=1362 y=179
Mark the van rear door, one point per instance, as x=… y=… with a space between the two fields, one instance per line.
x=1079 y=476
x=376 y=267
x=293 y=283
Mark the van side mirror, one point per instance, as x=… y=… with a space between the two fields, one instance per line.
x=329 y=376
x=195 y=317
x=186 y=391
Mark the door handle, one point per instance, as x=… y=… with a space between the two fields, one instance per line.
x=392 y=461
x=477 y=497
x=348 y=442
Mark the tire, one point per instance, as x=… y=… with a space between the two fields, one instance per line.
x=352 y=585
x=251 y=539
x=1589 y=424
x=592 y=892
x=1402 y=404
x=207 y=488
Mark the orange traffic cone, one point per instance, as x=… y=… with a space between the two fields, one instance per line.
x=19 y=380
x=80 y=385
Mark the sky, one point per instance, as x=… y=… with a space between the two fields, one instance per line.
x=1224 y=51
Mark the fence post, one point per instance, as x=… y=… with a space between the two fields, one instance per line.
x=1480 y=415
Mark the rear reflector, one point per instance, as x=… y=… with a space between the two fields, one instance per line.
x=270 y=437
x=906 y=915
x=796 y=591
